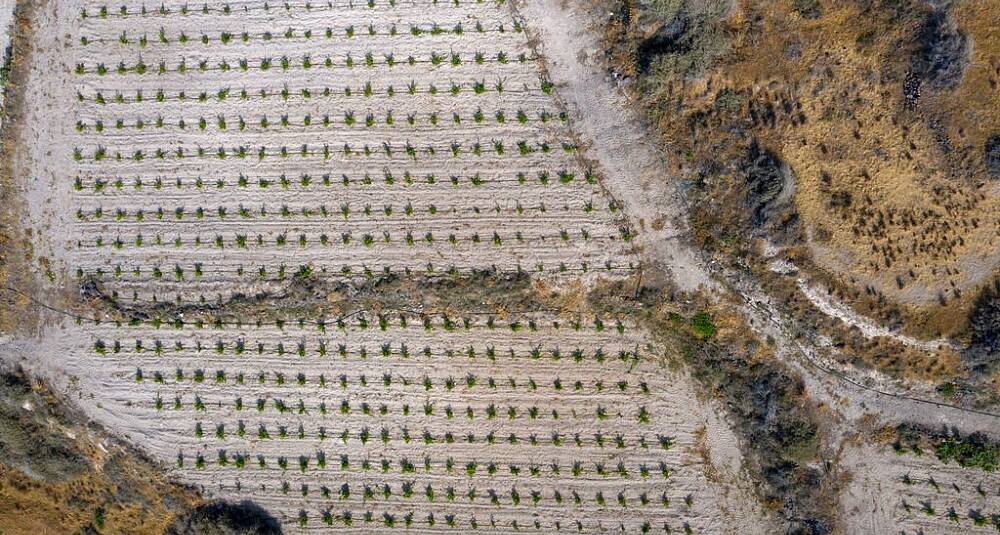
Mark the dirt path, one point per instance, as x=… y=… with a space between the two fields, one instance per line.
x=836 y=309
x=599 y=112
x=6 y=22
x=632 y=167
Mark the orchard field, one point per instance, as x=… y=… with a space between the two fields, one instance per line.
x=546 y=425
x=340 y=138
x=910 y=494
x=221 y=152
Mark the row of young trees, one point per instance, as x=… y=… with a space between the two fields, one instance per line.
x=976 y=516
x=492 y=411
x=367 y=89
x=367 y=212
x=365 y=435
x=566 y=497
x=396 y=519
x=470 y=468
x=387 y=379
x=275 y=6
x=305 y=180
x=386 y=149
x=321 y=348
x=360 y=321
x=223 y=122
x=349 y=31
x=306 y=63
x=243 y=241
x=282 y=272
x=479 y=467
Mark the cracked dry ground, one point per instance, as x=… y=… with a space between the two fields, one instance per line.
x=220 y=151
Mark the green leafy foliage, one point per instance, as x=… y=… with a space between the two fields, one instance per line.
x=971 y=452
x=702 y=325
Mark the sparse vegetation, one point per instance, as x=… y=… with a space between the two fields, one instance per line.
x=968 y=451
x=783 y=131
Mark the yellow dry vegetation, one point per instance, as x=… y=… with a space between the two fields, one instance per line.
x=81 y=480
x=891 y=192
x=877 y=187
x=33 y=507
x=902 y=361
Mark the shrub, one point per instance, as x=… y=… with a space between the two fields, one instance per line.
x=991 y=155
x=974 y=451
x=702 y=326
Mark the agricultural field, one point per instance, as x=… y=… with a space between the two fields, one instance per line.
x=335 y=139
x=222 y=153
x=429 y=266
x=907 y=493
x=441 y=423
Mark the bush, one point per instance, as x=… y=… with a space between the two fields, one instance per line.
x=702 y=325
x=764 y=173
x=991 y=155
x=221 y=518
x=984 y=327
x=943 y=55
x=808 y=9
x=971 y=452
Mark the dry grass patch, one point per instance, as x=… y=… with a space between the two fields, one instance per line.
x=58 y=475
x=854 y=134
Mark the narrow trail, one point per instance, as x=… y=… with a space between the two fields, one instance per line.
x=836 y=309
x=634 y=174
